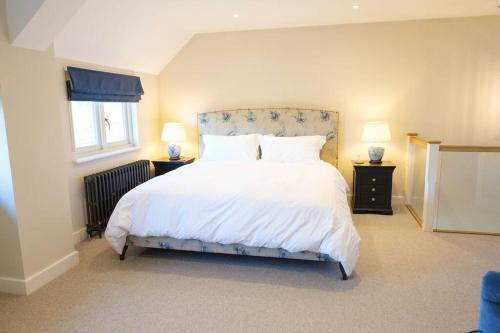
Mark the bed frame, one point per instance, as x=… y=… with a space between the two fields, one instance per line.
x=194 y=245
x=277 y=121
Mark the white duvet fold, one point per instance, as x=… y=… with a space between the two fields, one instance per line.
x=294 y=206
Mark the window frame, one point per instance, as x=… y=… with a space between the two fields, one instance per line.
x=103 y=148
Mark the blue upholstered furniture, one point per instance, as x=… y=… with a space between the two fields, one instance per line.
x=489 y=313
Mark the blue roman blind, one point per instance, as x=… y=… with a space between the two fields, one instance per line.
x=96 y=86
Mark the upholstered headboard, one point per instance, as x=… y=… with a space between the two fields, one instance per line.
x=277 y=121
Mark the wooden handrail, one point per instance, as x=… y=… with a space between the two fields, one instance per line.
x=413 y=137
x=470 y=149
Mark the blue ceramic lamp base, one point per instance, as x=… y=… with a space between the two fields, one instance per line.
x=174 y=152
x=376 y=154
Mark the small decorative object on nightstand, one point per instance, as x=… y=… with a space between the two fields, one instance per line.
x=173 y=133
x=164 y=165
x=375 y=133
x=372 y=185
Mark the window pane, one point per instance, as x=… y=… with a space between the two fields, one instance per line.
x=84 y=124
x=115 y=122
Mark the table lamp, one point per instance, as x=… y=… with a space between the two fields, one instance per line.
x=375 y=133
x=173 y=133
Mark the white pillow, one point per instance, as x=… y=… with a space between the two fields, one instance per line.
x=291 y=149
x=236 y=147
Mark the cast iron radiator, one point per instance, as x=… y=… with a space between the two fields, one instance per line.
x=104 y=189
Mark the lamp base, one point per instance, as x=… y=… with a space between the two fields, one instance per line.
x=174 y=152
x=376 y=154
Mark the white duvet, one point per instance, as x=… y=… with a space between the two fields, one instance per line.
x=296 y=206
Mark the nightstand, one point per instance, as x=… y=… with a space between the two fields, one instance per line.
x=164 y=164
x=372 y=185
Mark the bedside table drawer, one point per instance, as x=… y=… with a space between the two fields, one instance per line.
x=373 y=188
x=164 y=165
x=373 y=179
x=164 y=168
x=368 y=199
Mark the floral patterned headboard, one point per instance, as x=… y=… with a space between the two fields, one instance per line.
x=277 y=121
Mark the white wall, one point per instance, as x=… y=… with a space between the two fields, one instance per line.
x=34 y=24
x=11 y=264
x=439 y=78
x=31 y=94
x=21 y=12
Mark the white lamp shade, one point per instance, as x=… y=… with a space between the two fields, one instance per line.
x=173 y=132
x=377 y=131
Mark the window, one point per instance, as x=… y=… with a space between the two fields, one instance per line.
x=100 y=127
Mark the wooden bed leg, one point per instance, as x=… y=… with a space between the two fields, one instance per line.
x=342 y=270
x=122 y=256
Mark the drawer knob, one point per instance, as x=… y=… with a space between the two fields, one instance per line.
x=373 y=199
x=373 y=189
x=374 y=180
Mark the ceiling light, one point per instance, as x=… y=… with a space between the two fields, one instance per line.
x=236 y=15
x=355 y=6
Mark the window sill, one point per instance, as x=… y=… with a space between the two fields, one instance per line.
x=98 y=156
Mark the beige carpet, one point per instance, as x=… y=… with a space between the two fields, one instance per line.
x=406 y=281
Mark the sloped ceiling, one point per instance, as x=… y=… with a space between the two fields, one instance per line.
x=145 y=35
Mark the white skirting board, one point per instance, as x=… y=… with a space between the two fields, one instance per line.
x=12 y=286
x=398 y=200
x=37 y=280
x=79 y=235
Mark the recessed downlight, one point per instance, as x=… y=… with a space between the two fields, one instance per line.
x=355 y=6
x=236 y=15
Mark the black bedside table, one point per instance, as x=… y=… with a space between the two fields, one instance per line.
x=164 y=164
x=372 y=185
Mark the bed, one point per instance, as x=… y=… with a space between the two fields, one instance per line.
x=254 y=208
